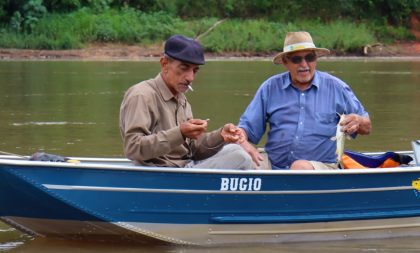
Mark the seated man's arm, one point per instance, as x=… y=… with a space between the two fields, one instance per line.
x=250 y=149
x=139 y=145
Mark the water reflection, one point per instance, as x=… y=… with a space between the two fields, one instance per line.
x=10 y=238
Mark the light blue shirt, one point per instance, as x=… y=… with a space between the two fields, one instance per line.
x=301 y=123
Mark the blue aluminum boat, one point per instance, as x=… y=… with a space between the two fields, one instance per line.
x=112 y=200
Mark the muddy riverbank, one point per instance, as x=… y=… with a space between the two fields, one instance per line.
x=137 y=52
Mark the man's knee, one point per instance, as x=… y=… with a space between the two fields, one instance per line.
x=301 y=165
x=231 y=148
x=232 y=156
x=239 y=157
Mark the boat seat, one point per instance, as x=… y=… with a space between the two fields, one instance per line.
x=416 y=151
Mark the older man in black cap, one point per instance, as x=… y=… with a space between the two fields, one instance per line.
x=156 y=121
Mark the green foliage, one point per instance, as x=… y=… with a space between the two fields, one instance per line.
x=33 y=11
x=16 y=21
x=394 y=12
x=105 y=32
x=62 y=5
x=27 y=15
x=63 y=31
x=340 y=36
x=13 y=40
x=98 y=5
x=343 y=26
x=3 y=13
x=389 y=34
x=131 y=26
x=198 y=26
x=262 y=36
x=246 y=35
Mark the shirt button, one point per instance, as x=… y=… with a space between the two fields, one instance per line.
x=301 y=122
x=297 y=137
x=301 y=107
x=303 y=94
x=291 y=152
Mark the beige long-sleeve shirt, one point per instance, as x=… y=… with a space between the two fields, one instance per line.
x=150 y=118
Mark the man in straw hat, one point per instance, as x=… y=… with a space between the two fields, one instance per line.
x=156 y=121
x=302 y=107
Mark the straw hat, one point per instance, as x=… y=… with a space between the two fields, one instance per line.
x=298 y=41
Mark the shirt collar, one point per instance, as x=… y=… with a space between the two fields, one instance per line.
x=166 y=93
x=287 y=81
x=316 y=81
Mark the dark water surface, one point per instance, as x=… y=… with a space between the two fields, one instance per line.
x=71 y=108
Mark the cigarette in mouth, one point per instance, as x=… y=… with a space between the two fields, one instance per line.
x=190 y=88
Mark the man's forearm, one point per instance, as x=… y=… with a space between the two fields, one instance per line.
x=142 y=147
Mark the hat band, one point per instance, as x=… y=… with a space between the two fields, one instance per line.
x=299 y=46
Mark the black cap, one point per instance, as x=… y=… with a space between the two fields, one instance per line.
x=184 y=49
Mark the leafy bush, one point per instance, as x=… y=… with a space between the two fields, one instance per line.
x=105 y=31
x=390 y=34
x=128 y=25
x=340 y=36
x=245 y=35
x=84 y=26
x=33 y=11
x=62 y=5
x=25 y=19
x=263 y=36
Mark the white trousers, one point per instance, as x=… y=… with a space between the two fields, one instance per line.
x=231 y=156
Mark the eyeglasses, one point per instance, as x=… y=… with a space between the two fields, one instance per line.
x=297 y=59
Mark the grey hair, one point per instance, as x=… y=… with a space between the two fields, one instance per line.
x=168 y=57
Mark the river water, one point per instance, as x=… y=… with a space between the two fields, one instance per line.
x=71 y=108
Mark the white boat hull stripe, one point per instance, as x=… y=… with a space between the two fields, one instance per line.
x=178 y=191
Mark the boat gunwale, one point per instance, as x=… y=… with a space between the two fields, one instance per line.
x=95 y=163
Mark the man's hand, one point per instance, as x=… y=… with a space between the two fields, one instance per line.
x=354 y=123
x=231 y=134
x=193 y=128
x=256 y=156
